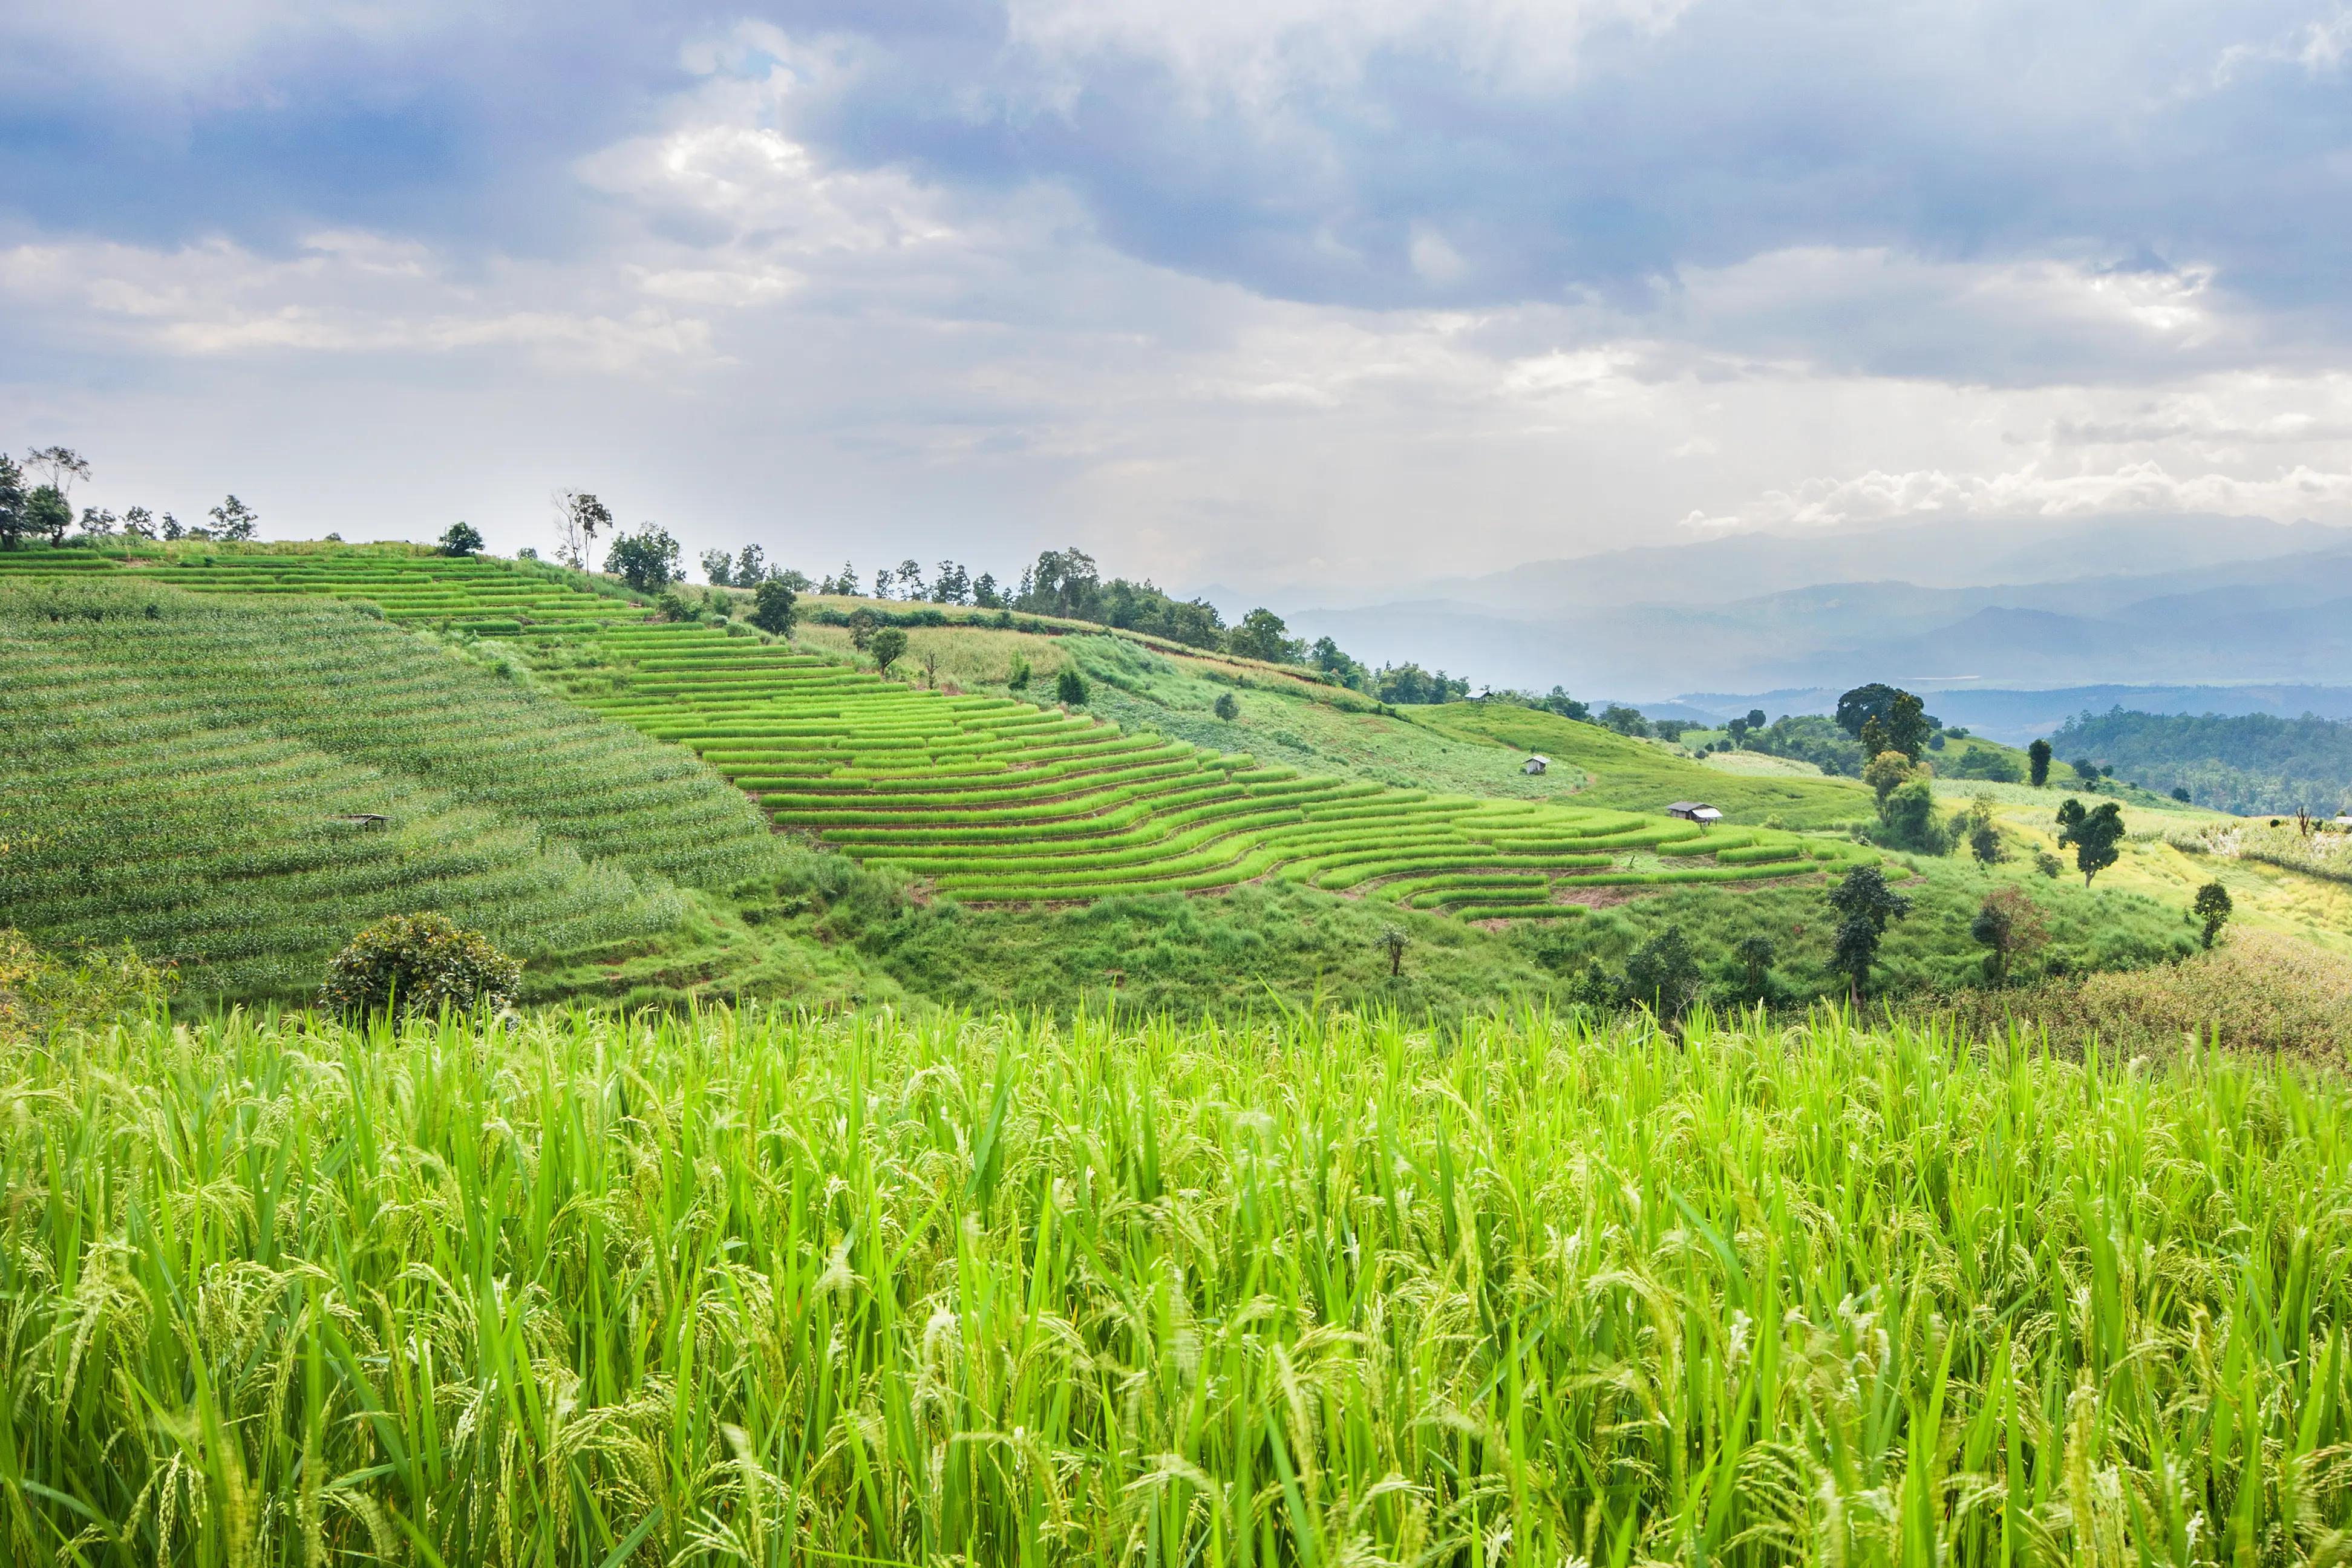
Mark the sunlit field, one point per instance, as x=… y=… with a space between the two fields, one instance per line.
x=743 y=1288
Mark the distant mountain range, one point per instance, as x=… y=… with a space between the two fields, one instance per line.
x=2171 y=601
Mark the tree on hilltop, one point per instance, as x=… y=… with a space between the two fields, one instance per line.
x=1263 y=635
x=646 y=559
x=719 y=569
x=463 y=539
x=776 y=607
x=234 y=520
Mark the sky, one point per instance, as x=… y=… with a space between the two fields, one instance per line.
x=1303 y=299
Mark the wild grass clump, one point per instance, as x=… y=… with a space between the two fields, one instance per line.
x=747 y=1288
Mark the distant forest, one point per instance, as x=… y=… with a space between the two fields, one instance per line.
x=2250 y=763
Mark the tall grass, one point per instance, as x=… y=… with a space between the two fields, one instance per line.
x=1320 y=1290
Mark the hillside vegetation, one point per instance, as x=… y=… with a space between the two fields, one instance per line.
x=195 y=776
x=1327 y=1289
x=2252 y=764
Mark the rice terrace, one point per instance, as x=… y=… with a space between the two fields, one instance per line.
x=1013 y=785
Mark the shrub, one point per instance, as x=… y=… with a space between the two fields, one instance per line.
x=1227 y=708
x=419 y=964
x=1017 y=676
x=889 y=645
x=1070 y=688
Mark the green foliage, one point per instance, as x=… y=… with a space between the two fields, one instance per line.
x=233 y=521
x=2039 y=754
x=1226 y=708
x=15 y=521
x=1863 y=904
x=43 y=994
x=419 y=964
x=887 y=646
x=727 y=1241
x=2249 y=764
x=1809 y=738
x=462 y=538
x=776 y=607
x=1982 y=831
x=2046 y=863
x=2213 y=908
x=1662 y=974
x=1070 y=688
x=1979 y=760
x=198 y=776
x=45 y=511
x=1263 y=636
x=646 y=559
x=1017 y=673
x=1886 y=718
x=2093 y=835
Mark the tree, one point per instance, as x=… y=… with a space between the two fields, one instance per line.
x=845 y=583
x=462 y=538
x=1984 y=833
x=2180 y=793
x=419 y=964
x=888 y=647
x=2093 y=835
x=234 y=520
x=97 y=523
x=646 y=559
x=1864 y=703
x=1863 y=904
x=861 y=626
x=1624 y=720
x=2009 y=924
x=170 y=527
x=2037 y=756
x=1909 y=815
x=578 y=516
x=1756 y=719
x=2046 y=863
x=752 y=568
x=1755 y=954
x=911 y=579
x=14 y=523
x=930 y=660
x=1887 y=771
x=1393 y=941
x=1662 y=974
x=1016 y=674
x=1227 y=708
x=774 y=608
x=2085 y=770
x=45 y=511
x=719 y=567
x=1738 y=730
x=2213 y=907
x=1263 y=636
x=1070 y=688
x=984 y=593
x=952 y=585
x=59 y=468
x=139 y=522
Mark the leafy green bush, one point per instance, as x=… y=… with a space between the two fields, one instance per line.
x=419 y=964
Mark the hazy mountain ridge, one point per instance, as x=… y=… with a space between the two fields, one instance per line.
x=2230 y=600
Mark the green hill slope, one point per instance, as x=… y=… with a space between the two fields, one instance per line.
x=191 y=774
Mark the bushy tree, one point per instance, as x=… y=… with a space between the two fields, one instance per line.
x=462 y=538
x=1909 y=817
x=2009 y=925
x=1887 y=771
x=889 y=646
x=1070 y=688
x=1624 y=720
x=46 y=512
x=1984 y=832
x=2093 y=835
x=861 y=626
x=2085 y=770
x=952 y=585
x=646 y=559
x=419 y=964
x=774 y=608
x=1262 y=635
x=1755 y=954
x=752 y=569
x=1662 y=974
x=2037 y=757
x=1016 y=674
x=719 y=568
x=1393 y=941
x=2213 y=907
x=1227 y=708
x=985 y=594
x=14 y=522
x=1863 y=904
x=234 y=520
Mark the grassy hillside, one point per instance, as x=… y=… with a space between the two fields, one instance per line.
x=1323 y=1289
x=187 y=774
x=1644 y=775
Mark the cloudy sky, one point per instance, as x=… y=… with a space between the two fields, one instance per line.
x=1298 y=297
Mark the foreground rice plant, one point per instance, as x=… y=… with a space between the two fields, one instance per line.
x=753 y=1289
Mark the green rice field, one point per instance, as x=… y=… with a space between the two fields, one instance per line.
x=238 y=787
x=1319 y=1289
x=995 y=799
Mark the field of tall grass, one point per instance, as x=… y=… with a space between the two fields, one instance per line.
x=744 y=1287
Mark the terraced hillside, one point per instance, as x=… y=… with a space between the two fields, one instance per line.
x=239 y=784
x=993 y=799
